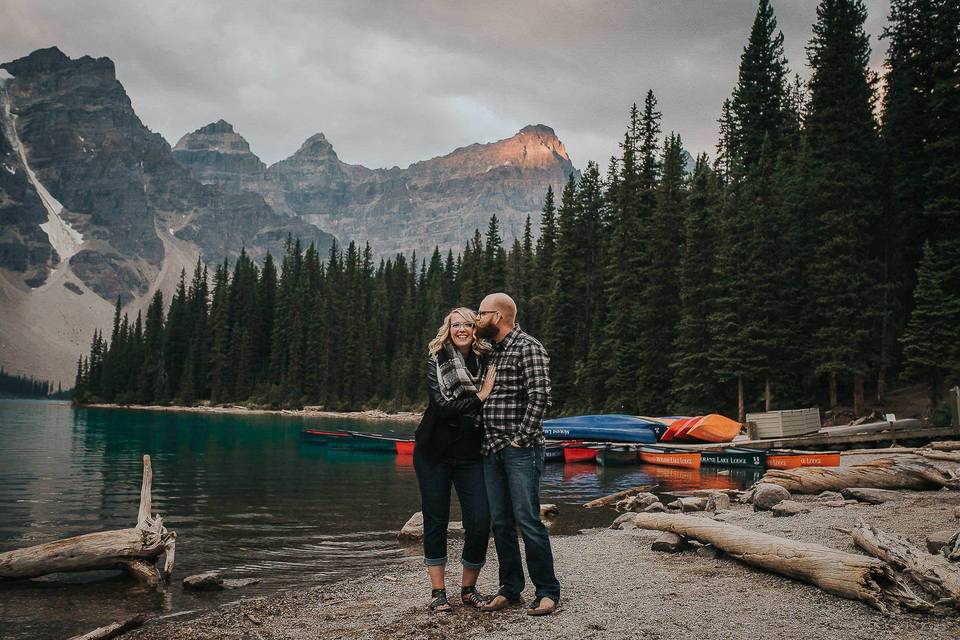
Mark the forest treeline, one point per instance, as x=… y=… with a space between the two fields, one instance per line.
x=814 y=260
x=20 y=386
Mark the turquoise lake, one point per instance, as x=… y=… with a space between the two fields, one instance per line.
x=245 y=494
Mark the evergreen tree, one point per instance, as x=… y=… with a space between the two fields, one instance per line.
x=757 y=104
x=564 y=301
x=694 y=387
x=843 y=155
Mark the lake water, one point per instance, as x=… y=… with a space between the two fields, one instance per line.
x=245 y=494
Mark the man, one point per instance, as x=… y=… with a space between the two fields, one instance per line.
x=513 y=456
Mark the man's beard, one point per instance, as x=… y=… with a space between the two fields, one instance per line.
x=487 y=331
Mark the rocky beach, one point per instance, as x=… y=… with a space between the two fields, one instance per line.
x=614 y=585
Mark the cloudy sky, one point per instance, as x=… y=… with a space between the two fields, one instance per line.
x=391 y=83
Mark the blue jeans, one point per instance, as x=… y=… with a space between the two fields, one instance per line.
x=435 y=480
x=513 y=489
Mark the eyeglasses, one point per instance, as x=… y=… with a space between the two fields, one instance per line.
x=461 y=325
x=482 y=312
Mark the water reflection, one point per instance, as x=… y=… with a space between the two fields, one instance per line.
x=246 y=495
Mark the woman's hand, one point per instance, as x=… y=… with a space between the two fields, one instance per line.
x=487 y=387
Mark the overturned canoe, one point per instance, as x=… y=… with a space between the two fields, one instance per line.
x=670 y=457
x=709 y=428
x=790 y=459
x=604 y=428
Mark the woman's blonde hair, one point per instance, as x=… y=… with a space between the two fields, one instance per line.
x=480 y=346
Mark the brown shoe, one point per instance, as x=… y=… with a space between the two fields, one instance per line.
x=542 y=606
x=499 y=602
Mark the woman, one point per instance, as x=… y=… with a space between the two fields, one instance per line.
x=448 y=453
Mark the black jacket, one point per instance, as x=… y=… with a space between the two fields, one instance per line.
x=449 y=429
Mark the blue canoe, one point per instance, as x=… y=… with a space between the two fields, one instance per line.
x=604 y=428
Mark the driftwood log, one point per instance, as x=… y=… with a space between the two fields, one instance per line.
x=945 y=445
x=843 y=574
x=934 y=573
x=899 y=472
x=135 y=550
x=618 y=496
x=932 y=454
x=112 y=630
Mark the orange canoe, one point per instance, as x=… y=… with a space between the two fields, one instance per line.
x=688 y=459
x=710 y=428
x=785 y=459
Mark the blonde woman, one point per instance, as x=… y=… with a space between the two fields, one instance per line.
x=447 y=453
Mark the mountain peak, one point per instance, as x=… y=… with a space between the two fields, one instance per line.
x=316 y=146
x=53 y=59
x=218 y=127
x=538 y=130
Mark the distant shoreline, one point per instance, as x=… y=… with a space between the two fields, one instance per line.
x=308 y=412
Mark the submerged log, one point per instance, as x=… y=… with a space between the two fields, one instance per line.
x=843 y=574
x=932 y=572
x=885 y=473
x=135 y=550
x=618 y=496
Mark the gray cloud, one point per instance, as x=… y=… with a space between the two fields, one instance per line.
x=391 y=83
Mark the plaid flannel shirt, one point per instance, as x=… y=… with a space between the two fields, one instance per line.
x=521 y=393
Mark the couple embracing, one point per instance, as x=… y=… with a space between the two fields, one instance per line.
x=482 y=433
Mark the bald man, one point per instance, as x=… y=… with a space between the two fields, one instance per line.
x=513 y=456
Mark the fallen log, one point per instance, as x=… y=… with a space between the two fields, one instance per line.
x=869 y=495
x=886 y=450
x=112 y=630
x=948 y=456
x=945 y=445
x=847 y=575
x=933 y=573
x=620 y=495
x=135 y=550
x=899 y=472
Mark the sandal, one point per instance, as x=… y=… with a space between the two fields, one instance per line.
x=537 y=610
x=439 y=602
x=473 y=598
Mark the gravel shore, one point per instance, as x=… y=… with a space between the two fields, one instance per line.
x=614 y=586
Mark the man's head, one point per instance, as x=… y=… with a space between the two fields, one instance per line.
x=497 y=316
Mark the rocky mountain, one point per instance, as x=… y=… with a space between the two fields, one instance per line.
x=436 y=202
x=93 y=206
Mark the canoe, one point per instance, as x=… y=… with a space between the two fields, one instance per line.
x=357 y=440
x=553 y=452
x=405 y=447
x=579 y=454
x=616 y=456
x=670 y=457
x=604 y=428
x=734 y=457
x=709 y=428
x=790 y=459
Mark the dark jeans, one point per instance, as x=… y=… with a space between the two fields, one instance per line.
x=435 y=480
x=513 y=489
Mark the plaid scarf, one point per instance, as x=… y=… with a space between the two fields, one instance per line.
x=453 y=375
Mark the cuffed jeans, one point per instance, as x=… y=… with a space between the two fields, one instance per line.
x=435 y=480
x=513 y=490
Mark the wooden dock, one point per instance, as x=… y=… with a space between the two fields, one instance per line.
x=878 y=434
